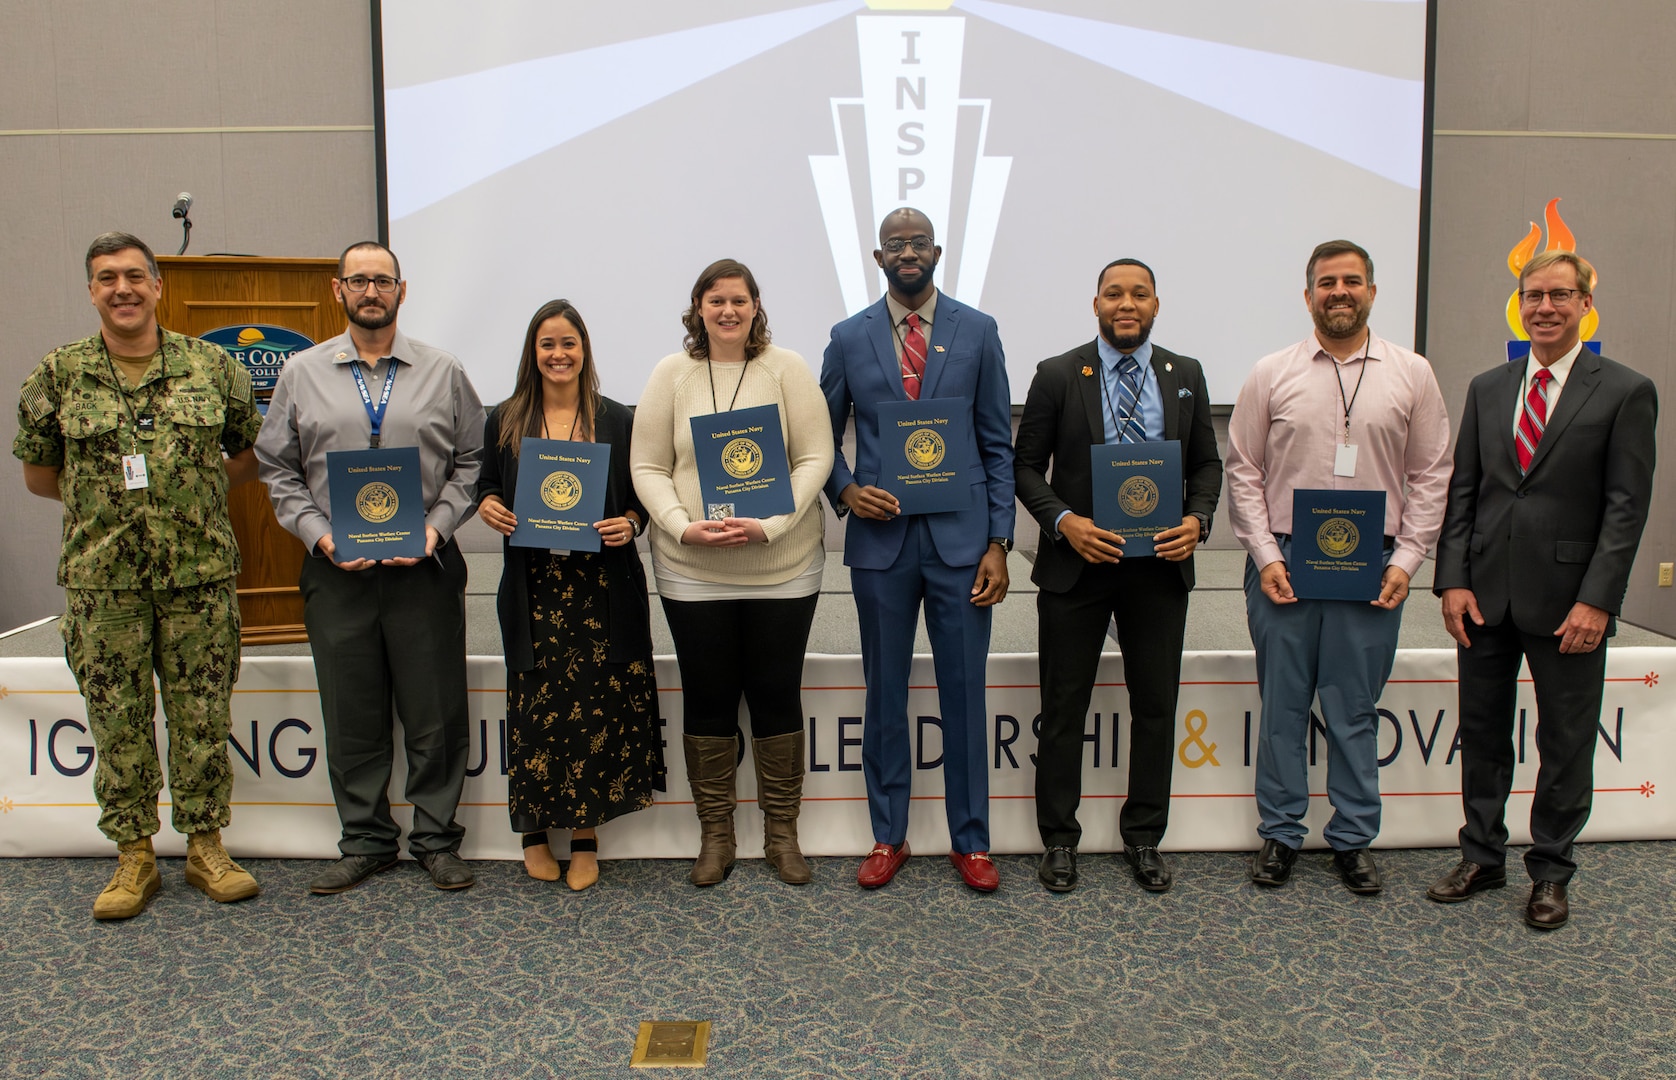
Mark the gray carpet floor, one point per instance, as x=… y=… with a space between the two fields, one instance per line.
x=518 y=978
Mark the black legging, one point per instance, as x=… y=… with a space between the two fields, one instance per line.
x=726 y=648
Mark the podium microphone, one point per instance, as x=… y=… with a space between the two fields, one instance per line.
x=183 y=207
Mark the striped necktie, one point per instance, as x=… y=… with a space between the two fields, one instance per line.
x=1533 y=418
x=913 y=357
x=1129 y=428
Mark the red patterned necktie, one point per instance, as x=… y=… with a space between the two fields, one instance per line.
x=913 y=357
x=1533 y=418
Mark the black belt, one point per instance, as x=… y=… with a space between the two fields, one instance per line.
x=1286 y=538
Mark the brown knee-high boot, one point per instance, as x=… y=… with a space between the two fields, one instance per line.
x=711 y=764
x=779 y=762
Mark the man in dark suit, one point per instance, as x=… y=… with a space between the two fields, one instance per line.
x=1553 y=474
x=1117 y=388
x=918 y=343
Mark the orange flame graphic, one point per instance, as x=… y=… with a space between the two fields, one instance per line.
x=1560 y=238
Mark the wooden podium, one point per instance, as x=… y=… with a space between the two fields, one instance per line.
x=204 y=293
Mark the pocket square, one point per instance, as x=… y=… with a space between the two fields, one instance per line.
x=1183 y=392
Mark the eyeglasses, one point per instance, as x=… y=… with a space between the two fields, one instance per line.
x=357 y=283
x=920 y=244
x=1560 y=297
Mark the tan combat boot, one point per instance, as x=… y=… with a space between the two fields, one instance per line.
x=135 y=881
x=213 y=872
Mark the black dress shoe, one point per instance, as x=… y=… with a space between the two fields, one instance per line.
x=1272 y=864
x=447 y=870
x=348 y=872
x=1548 y=909
x=1058 y=872
x=1149 y=867
x=1466 y=879
x=1357 y=869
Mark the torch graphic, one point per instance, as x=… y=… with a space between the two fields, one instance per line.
x=1559 y=239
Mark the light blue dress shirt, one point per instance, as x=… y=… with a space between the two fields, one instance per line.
x=1151 y=411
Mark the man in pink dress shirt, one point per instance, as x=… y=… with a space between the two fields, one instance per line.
x=1345 y=410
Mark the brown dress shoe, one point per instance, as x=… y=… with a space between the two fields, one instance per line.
x=1547 y=909
x=1466 y=879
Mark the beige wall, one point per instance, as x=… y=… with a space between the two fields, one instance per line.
x=1510 y=75
x=305 y=67
x=67 y=66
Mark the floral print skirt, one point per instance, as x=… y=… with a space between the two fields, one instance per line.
x=582 y=733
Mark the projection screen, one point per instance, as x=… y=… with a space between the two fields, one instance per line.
x=606 y=152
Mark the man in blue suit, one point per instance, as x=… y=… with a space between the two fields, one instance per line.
x=917 y=343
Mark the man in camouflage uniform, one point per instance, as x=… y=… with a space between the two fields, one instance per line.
x=127 y=429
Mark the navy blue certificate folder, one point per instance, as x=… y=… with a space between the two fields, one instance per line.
x=1137 y=491
x=561 y=493
x=1338 y=544
x=922 y=446
x=378 y=503
x=742 y=465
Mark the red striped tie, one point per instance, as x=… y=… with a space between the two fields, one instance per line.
x=913 y=357
x=1533 y=418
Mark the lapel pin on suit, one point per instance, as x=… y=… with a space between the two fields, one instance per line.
x=937 y=348
x=1169 y=367
x=1086 y=370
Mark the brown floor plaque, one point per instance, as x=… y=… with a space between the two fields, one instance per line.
x=671 y=1045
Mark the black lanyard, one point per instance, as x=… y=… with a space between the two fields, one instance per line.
x=744 y=368
x=1349 y=404
x=376 y=416
x=122 y=388
x=1122 y=425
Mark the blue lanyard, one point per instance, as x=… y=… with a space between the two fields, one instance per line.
x=376 y=416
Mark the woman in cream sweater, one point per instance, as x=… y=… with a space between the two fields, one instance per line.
x=739 y=593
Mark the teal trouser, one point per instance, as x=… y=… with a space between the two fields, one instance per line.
x=114 y=639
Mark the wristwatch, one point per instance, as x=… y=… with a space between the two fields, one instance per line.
x=1006 y=544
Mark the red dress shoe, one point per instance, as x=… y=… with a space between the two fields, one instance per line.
x=881 y=865
x=976 y=870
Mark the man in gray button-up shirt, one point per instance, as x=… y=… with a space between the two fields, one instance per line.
x=391 y=632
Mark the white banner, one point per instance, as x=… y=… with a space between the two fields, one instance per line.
x=283 y=803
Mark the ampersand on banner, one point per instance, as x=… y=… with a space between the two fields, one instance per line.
x=1196 y=722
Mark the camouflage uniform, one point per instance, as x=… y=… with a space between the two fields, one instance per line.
x=149 y=572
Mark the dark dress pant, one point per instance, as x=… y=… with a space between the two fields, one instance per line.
x=887 y=605
x=1569 y=691
x=391 y=641
x=1149 y=601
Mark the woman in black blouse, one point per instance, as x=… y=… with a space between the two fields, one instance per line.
x=581 y=696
